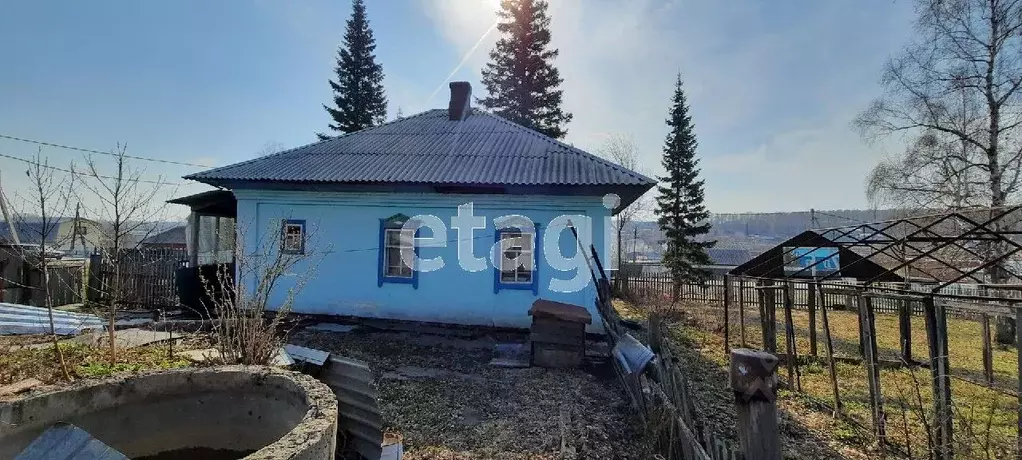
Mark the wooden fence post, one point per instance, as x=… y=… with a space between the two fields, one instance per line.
x=1018 y=347
x=741 y=308
x=754 y=382
x=811 y=305
x=768 y=315
x=727 y=306
x=876 y=399
x=852 y=307
x=905 y=329
x=830 y=360
x=936 y=334
x=988 y=350
x=794 y=376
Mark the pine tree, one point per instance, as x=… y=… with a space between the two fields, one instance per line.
x=520 y=77
x=680 y=210
x=358 y=90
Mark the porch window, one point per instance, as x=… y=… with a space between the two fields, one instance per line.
x=397 y=252
x=293 y=238
x=516 y=262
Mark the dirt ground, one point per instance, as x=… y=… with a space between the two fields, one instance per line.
x=440 y=393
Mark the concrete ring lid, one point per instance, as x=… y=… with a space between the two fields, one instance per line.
x=312 y=436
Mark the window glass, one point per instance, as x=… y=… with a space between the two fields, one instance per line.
x=517 y=257
x=397 y=242
x=294 y=237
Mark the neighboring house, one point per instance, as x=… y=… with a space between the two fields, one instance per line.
x=61 y=236
x=345 y=201
x=168 y=239
x=724 y=259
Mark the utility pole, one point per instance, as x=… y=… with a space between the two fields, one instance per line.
x=635 y=239
x=7 y=217
x=75 y=233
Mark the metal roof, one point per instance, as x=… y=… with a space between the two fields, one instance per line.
x=17 y=319
x=65 y=441
x=729 y=256
x=175 y=235
x=428 y=148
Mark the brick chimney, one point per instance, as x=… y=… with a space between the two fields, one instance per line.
x=461 y=101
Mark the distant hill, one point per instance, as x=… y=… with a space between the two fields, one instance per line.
x=754 y=231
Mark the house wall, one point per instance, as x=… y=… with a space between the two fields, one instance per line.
x=94 y=236
x=343 y=247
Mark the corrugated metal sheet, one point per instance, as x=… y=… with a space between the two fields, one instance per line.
x=358 y=404
x=65 y=441
x=18 y=319
x=483 y=149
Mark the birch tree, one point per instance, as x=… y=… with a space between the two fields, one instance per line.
x=953 y=94
x=623 y=151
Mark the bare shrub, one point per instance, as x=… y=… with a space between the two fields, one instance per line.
x=249 y=327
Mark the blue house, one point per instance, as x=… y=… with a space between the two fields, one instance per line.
x=454 y=216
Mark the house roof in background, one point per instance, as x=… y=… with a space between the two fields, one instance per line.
x=30 y=232
x=729 y=256
x=428 y=148
x=175 y=235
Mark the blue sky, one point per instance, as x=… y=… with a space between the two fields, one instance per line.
x=773 y=85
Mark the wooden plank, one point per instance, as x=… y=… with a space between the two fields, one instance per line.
x=741 y=309
x=811 y=305
x=789 y=339
x=868 y=327
x=988 y=351
x=1018 y=348
x=905 y=329
x=727 y=306
x=830 y=360
x=768 y=315
x=936 y=334
x=573 y=330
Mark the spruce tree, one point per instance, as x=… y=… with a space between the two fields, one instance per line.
x=680 y=210
x=358 y=90
x=520 y=77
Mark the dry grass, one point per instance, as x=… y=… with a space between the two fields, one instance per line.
x=19 y=362
x=474 y=411
x=698 y=343
x=985 y=419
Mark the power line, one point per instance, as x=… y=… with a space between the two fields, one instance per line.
x=60 y=146
x=33 y=163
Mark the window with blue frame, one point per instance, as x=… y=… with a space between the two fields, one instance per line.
x=516 y=263
x=292 y=238
x=397 y=252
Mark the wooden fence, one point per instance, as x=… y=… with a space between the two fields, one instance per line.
x=777 y=327
x=744 y=292
x=21 y=280
x=147 y=277
x=661 y=394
